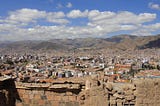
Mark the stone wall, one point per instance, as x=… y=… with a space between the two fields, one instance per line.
x=57 y=94
x=142 y=92
x=46 y=98
x=147 y=92
x=108 y=94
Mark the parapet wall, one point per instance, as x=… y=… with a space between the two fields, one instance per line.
x=142 y=92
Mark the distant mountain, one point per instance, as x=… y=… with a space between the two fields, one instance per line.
x=46 y=45
x=121 y=42
x=120 y=38
x=152 y=44
x=125 y=42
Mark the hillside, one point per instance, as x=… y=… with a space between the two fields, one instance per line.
x=122 y=42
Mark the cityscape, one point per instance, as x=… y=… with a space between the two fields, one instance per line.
x=80 y=53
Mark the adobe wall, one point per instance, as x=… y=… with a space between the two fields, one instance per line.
x=58 y=94
x=46 y=98
x=142 y=92
x=147 y=92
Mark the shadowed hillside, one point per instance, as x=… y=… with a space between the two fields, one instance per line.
x=152 y=44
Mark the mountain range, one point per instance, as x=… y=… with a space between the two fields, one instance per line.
x=122 y=42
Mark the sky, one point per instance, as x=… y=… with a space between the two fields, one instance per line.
x=61 y=19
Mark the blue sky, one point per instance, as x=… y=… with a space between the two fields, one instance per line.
x=52 y=19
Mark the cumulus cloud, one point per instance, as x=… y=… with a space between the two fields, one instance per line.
x=17 y=25
x=77 y=14
x=56 y=17
x=107 y=17
x=146 y=30
x=96 y=15
x=154 y=6
x=26 y=16
x=124 y=17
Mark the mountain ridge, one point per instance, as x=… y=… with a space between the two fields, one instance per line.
x=122 y=42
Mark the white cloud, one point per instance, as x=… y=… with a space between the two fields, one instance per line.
x=77 y=14
x=107 y=17
x=55 y=14
x=26 y=16
x=60 y=5
x=95 y=15
x=154 y=6
x=128 y=27
x=146 y=30
x=153 y=26
x=17 y=25
x=142 y=32
x=69 y=5
x=56 y=17
x=125 y=17
x=58 y=21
